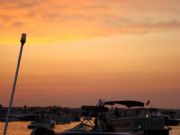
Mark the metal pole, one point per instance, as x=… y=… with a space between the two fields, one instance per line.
x=23 y=40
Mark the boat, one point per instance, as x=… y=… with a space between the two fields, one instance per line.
x=12 y=118
x=136 y=117
x=28 y=117
x=133 y=119
x=86 y=126
x=170 y=118
x=42 y=127
x=109 y=119
x=171 y=122
x=91 y=124
x=49 y=123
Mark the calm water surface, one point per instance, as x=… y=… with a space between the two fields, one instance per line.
x=20 y=128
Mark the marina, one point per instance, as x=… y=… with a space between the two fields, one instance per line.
x=122 y=54
x=102 y=120
x=126 y=117
x=135 y=119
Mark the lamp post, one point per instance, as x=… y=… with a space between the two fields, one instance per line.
x=23 y=41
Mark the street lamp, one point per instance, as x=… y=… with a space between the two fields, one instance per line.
x=23 y=41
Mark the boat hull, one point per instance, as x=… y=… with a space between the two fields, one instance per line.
x=145 y=132
x=156 y=132
x=94 y=133
x=172 y=122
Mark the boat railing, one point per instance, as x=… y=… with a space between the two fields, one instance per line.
x=86 y=125
x=83 y=127
x=138 y=123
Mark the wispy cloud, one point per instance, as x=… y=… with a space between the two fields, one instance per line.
x=89 y=18
x=9 y=4
x=18 y=24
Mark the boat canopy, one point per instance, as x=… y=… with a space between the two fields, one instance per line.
x=94 y=108
x=127 y=103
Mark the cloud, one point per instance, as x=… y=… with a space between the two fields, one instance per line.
x=9 y=4
x=130 y=25
x=5 y=17
x=170 y=24
x=17 y=24
x=90 y=18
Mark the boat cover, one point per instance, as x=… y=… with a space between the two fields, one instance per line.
x=94 y=108
x=127 y=103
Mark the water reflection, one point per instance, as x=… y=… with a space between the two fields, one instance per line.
x=20 y=128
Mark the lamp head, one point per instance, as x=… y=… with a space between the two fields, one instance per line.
x=23 y=38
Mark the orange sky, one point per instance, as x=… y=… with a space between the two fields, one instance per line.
x=78 y=51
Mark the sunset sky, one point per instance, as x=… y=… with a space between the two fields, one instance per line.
x=78 y=51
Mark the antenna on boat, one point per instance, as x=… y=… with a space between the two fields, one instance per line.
x=23 y=41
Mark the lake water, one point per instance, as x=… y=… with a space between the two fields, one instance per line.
x=20 y=128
